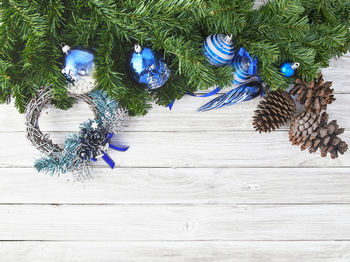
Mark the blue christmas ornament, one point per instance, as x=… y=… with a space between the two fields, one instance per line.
x=79 y=68
x=148 y=68
x=245 y=67
x=288 y=69
x=219 y=49
x=241 y=93
x=241 y=65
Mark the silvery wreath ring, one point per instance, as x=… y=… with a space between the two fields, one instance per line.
x=80 y=149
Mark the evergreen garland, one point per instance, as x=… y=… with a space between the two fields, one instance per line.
x=31 y=34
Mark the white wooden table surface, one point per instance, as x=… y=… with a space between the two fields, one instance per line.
x=192 y=187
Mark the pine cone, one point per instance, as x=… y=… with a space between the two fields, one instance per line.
x=276 y=108
x=303 y=126
x=315 y=95
x=311 y=130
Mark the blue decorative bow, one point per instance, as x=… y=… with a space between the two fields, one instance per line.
x=105 y=156
x=253 y=62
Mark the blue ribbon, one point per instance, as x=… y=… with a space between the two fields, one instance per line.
x=108 y=160
x=170 y=105
x=213 y=92
x=253 y=62
x=106 y=157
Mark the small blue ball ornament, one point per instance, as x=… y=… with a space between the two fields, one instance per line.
x=288 y=69
x=219 y=49
x=79 y=68
x=148 y=68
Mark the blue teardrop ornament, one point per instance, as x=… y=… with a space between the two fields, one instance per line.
x=147 y=68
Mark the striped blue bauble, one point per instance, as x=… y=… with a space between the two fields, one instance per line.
x=241 y=66
x=219 y=49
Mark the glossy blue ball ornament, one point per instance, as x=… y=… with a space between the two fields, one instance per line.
x=148 y=68
x=288 y=69
x=218 y=49
x=79 y=68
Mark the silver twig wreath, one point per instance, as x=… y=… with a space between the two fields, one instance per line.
x=80 y=149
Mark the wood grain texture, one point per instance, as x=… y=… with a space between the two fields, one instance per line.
x=180 y=186
x=174 y=251
x=175 y=222
x=193 y=187
x=183 y=117
x=187 y=149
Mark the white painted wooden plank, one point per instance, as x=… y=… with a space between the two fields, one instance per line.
x=183 y=117
x=180 y=186
x=173 y=251
x=216 y=187
x=339 y=73
x=187 y=149
x=174 y=222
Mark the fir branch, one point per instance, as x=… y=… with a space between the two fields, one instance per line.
x=307 y=31
x=23 y=12
x=226 y=16
x=55 y=19
x=108 y=78
x=5 y=90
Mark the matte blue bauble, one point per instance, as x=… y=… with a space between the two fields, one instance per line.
x=288 y=69
x=148 y=68
x=79 y=67
x=218 y=49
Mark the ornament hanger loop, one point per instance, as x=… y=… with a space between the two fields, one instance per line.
x=137 y=48
x=228 y=38
x=295 y=65
x=65 y=48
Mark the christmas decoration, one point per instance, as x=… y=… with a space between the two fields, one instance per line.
x=148 y=68
x=303 y=125
x=241 y=93
x=276 y=108
x=79 y=68
x=309 y=129
x=80 y=149
x=219 y=49
x=309 y=32
x=288 y=69
x=245 y=67
x=312 y=131
x=315 y=95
